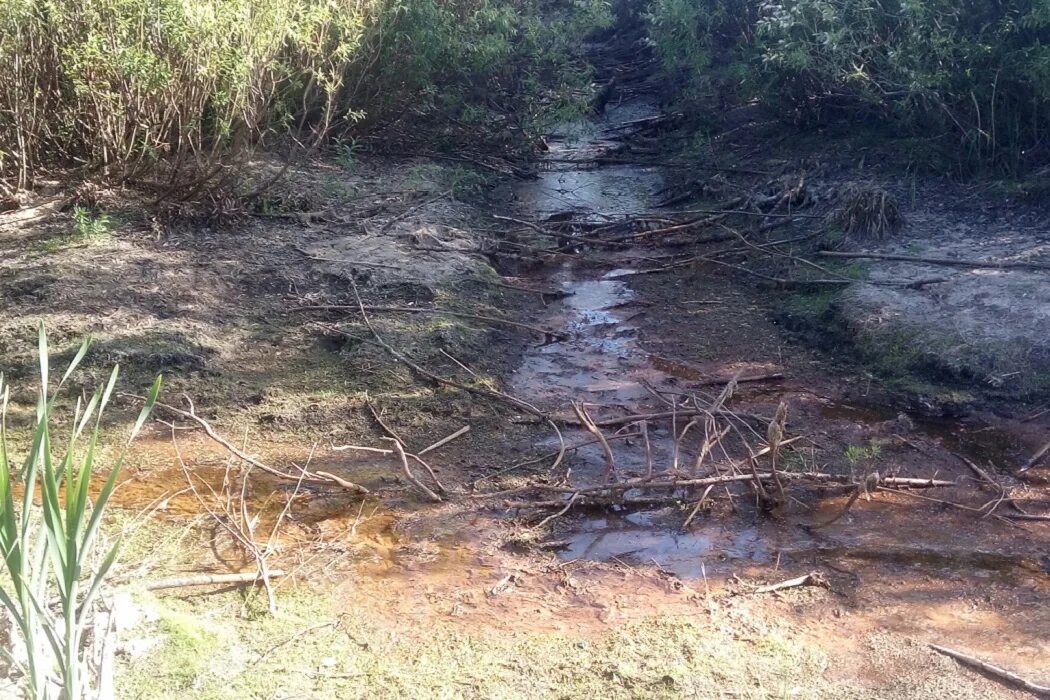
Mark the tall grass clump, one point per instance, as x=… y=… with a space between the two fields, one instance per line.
x=972 y=76
x=178 y=93
x=48 y=530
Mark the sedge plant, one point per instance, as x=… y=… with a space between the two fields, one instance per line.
x=49 y=526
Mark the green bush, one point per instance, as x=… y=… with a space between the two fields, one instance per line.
x=974 y=74
x=175 y=88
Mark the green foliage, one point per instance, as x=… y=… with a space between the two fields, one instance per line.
x=861 y=453
x=189 y=87
x=974 y=74
x=90 y=226
x=48 y=545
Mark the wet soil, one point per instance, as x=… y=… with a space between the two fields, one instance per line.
x=901 y=570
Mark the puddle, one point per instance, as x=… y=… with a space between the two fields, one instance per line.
x=638 y=539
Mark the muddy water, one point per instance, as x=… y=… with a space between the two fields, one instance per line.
x=603 y=365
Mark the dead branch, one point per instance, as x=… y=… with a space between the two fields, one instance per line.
x=415 y=367
x=543 y=332
x=663 y=482
x=444 y=441
x=1001 y=674
x=304 y=476
x=379 y=421
x=380 y=451
x=950 y=262
x=585 y=419
x=556 y=234
x=400 y=451
x=870 y=483
x=563 y=511
x=211 y=579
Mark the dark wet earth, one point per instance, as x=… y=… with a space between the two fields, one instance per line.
x=609 y=363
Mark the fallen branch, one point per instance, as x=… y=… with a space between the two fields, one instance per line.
x=1036 y=458
x=950 y=262
x=211 y=579
x=445 y=440
x=400 y=450
x=544 y=332
x=1000 y=674
x=814 y=578
x=585 y=419
x=664 y=483
x=304 y=476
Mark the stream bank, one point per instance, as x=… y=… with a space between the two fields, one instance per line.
x=392 y=594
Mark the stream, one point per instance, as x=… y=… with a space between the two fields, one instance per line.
x=603 y=365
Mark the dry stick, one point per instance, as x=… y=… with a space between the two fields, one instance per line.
x=378 y=419
x=544 y=457
x=698 y=506
x=444 y=441
x=950 y=262
x=408 y=472
x=408 y=212
x=870 y=482
x=211 y=579
x=810 y=579
x=634 y=418
x=488 y=393
x=555 y=234
x=305 y=476
x=648 y=450
x=585 y=419
x=563 y=511
x=1034 y=460
x=437 y=312
x=631 y=484
x=1000 y=674
x=380 y=451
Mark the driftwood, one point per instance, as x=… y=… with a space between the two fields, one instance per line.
x=211 y=579
x=950 y=262
x=1000 y=674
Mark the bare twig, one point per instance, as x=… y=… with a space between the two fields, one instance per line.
x=585 y=419
x=400 y=451
x=444 y=441
x=304 y=475
x=543 y=332
x=811 y=579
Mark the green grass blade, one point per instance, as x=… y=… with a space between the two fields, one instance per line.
x=42 y=348
x=77 y=359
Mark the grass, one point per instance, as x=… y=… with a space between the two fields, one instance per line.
x=88 y=229
x=321 y=647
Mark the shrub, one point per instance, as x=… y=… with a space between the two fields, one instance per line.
x=977 y=70
x=182 y=90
